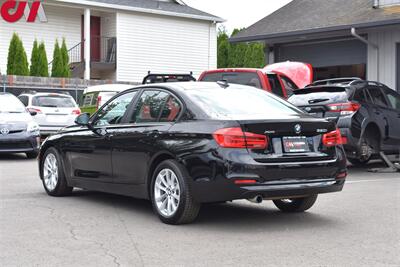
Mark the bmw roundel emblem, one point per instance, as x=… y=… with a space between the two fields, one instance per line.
x=297 y=128
x=4 y=131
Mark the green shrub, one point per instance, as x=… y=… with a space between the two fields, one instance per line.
x=17 y=62
x=57 y=68
x=43 y=64
x=65 y=57
x=34 y=59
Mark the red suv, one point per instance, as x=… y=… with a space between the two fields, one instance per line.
x=280 y=78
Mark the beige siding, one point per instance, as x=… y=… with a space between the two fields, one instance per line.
x=382 y=61
x=62 y=22
x=163 y=44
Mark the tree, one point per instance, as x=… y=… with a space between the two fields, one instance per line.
x=65 y=58
x=237 y=52
x=238 y=55
x=43 y=64
x=254 y=56
x=57 y=68
x=17 y=62
x=223 y=49
x=34 y=59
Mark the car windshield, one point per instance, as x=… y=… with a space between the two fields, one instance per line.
x=11 y=104
x=53 y=101
x=242 y=103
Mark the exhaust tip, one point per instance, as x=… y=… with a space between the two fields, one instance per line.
x=257 y=199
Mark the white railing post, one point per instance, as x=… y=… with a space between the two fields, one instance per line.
x=87 y=43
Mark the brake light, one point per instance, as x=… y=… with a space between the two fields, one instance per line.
x=38 y=111
x=98 y=102
x=333 y=138
x=236 y=138
x=76 y=111
x=346 y=108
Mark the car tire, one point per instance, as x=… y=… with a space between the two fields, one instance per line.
x=171 y=194
x=32 y=155
x=52 y=174
x=364 y=153
x=296 y=204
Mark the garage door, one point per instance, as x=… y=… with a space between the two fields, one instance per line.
x=325 y=54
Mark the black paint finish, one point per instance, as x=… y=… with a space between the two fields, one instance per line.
x=121 y=158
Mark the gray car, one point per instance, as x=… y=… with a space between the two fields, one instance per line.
x=19 y=133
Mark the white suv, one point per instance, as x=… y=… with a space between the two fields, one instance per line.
x=53 y=111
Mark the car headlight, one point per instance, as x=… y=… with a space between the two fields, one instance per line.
x=33 y=128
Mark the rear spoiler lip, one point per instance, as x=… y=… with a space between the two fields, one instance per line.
x=322 y=88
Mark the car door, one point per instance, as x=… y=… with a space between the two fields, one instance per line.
x=393 y=114
x=134 y=144
x=89 y=151
x=378 y=110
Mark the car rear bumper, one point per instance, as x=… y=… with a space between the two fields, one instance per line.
x=273 y=180
x=272 y=190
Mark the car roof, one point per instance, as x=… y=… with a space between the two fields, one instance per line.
x=108 y=88
x=188 y=86
x=237 y=70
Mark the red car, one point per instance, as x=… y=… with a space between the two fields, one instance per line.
x=280 y=78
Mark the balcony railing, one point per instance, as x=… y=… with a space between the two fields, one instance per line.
x=102 y=50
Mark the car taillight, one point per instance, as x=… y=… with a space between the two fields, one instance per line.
x=76 y=111
x=38 y=111
x=346 y=108
x=236 y=138
x=333 y=138
x=98 y=102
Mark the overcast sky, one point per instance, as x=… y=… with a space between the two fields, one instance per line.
x=238 y=14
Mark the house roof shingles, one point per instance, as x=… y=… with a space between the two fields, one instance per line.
x=306 y=16
x=152 y=5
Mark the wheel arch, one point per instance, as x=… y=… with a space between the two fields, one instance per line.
x=155 y=161
x=373 y=133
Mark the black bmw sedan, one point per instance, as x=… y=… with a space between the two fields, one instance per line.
x=181 y=145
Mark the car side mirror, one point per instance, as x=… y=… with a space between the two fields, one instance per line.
x=83 y=119
x=32 y=112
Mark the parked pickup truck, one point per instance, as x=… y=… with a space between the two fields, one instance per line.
x=280 y=78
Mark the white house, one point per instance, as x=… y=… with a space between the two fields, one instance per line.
x=121 y=39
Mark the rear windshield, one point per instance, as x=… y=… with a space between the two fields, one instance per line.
x=305 y=97
x=53 y=101
x=242 y=104
x=244 y=78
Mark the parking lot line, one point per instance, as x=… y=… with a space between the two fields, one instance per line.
x=370 y=180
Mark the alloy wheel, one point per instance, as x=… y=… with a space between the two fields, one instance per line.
x=50 y=172
x=167 y=192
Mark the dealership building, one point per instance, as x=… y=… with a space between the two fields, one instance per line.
x=340 y=38
x=120 y=39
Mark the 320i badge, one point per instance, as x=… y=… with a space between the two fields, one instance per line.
x=181 y=145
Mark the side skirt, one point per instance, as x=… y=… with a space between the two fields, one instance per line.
x=136 y=191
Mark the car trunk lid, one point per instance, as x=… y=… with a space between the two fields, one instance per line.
x=291 y=140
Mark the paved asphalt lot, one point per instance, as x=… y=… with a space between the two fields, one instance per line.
x=357 y=227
